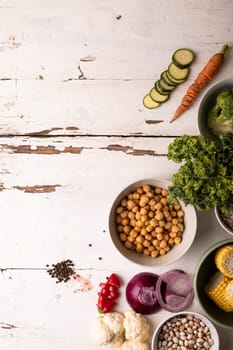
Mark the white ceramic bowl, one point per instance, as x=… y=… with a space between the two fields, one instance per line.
x=213 y=331
x=176 y=252
x=221 y=222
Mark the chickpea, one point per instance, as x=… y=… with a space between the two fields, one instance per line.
x=137 y=228
x=133 y=222
x=164 y=192
x=135 y=209
x=119 y=210
x=171 y=241
x=133 y=233
x=175 y=221
x=180 y=213
x=139 y=223
x=173 y=213
x=151 y=248
x=126 y=229
x=123 y=237
x=124 y=214
x=120 y=228
x=168 y=225
x=175 y=228
x=158 y=229
x=163 y=243
x=162 y=252
x=124 y=202
x=149 y=228
x=158 y=206
x=136 y=195
x=140 y=190
x=143 y=218
x=177 y=207
x=137 y=215
x=144 y=211
x=152 y=202
x=139 y=239
x=162 y=223
x=151 y=214
x=146 y=188
x=177 y=240
x=131 y=215
x=146 y=252
x=143 y=231
x=172 y=234
x=158 y=190
x=153 y=222
x=154 y=253
x=155 y=242
x=130 y=204
x=146 y=243
x=139 y=247
x=159 y=215
x=148 y=237
x=128 y=244
x=159 y=236
x=163 y=201
x=125 y=221
x=130 y=238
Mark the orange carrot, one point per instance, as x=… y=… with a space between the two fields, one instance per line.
x=203 y=78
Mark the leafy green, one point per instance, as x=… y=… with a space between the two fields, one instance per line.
x=220 y=117
x=205 y=177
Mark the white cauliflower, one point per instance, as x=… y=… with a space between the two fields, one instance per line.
x=136 y=327
x=100 y=332
x=128 y=331
x=108 y=329
x=134 y=345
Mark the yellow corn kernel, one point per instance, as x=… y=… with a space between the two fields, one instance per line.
x=216 y=290
x=224 y=260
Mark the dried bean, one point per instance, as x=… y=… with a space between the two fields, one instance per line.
x=185 y=333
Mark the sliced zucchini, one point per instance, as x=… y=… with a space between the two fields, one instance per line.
x=157 y=97
x=165 y=87
x=160 y=90
x=177 y=73
x=166 y=79
x=175 y=81
x=182 y=58
x=149 y=103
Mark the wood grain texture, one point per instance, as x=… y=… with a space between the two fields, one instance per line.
x=73 y=133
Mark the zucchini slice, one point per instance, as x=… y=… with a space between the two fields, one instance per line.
x=177 y=73
x=175 y=81
x=160 y=89
x=157 y=97
x=182 y=58
x=149 y=103
x=166 y=79
x=165 y=87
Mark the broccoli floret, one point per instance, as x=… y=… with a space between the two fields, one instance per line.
x=220 y=117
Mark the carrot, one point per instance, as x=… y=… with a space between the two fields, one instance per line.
x=203 y=78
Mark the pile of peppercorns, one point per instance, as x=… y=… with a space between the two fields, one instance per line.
x=62 y=271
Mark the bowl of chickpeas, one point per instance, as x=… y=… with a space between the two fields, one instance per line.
x=146 y=229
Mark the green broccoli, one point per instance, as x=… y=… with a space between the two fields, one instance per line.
x=220 y=117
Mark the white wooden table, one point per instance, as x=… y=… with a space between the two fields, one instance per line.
x=73 y=133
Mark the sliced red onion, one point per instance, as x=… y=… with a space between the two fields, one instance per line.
x=174 y=290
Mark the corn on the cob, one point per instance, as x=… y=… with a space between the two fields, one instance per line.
x=224 y=260
x=216 y=289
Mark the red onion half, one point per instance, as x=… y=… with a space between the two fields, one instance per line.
x=141 y=293
x=174 y=290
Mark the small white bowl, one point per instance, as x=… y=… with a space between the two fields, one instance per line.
x=213 y=331
x=177 y=251
x=221 y=222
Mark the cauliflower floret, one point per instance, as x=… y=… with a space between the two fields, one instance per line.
x=115 y=321
x=101 y=332
x=134 y=345
x=136 y=327
x=108 y=329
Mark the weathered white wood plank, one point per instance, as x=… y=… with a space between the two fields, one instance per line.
x=49 y=39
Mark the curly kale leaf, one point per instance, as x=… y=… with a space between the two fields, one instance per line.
x=205 y=178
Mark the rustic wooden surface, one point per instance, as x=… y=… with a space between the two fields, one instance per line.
x=73 y=133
